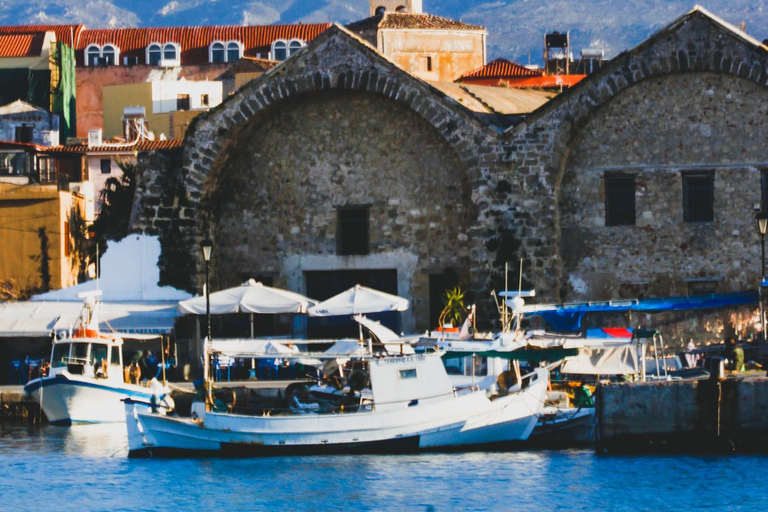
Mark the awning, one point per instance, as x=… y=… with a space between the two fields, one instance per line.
x=41 y=319
x=567 y=317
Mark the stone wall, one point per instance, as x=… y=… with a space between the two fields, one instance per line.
x=537 y=206
x=656 y=130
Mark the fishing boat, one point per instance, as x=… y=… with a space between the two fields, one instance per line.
x=408 y=404
x=86 y=379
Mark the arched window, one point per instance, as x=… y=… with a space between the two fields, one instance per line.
x=154 y=54
x=279 y=50
x=110 y=54
x=92 y=55
x=295 y=46
x=233 y=51
x=401 y=8
x=217 y=52
x=170 y=52
x=380 y=10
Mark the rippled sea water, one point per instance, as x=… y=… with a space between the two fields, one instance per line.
x=86 y=468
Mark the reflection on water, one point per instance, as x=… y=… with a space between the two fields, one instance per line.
x=86 y=468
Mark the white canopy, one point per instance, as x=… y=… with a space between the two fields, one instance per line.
x=250 y=297
x=41 y=319
x=393 y=343
x=359 y=300
x=238 y=347
x=604 y=361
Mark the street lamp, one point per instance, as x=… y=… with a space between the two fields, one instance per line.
x=207 y=247
x=762 y=226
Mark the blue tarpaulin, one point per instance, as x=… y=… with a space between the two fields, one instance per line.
x=567 y=317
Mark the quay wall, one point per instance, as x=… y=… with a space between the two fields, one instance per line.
x=688 y=416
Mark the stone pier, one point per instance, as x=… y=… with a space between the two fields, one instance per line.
x=684 y=416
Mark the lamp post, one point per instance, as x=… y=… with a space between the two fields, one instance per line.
x=762 y=226
x=207 y=247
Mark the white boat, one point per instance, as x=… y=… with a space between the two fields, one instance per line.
x=86 y=381
x=412 y=406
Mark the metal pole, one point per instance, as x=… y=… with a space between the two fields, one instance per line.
x=762 y=278
x=206 y=354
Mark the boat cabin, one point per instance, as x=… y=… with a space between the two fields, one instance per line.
x=100 y=358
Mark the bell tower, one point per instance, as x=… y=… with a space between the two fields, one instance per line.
x=379 y=6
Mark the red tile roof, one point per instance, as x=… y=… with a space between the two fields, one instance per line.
x=194 y=41
x=21 y=45
x=404 y=20
x=423 y=22
x=65 y=33
x=145 y=145
x=501 y=68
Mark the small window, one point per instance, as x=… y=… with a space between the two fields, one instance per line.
x=60 y=355
x=698 y=197
x=352 y=237
x=408 y=374
x=217 y=53
x=24 y=134
x=702 y=288
x=619 y=200
x=280 y=50
x=295 y=46
x=764 y=190
x=92 y=56
x=114 y=356
x=426 y=63
x=130 y=61
x=233 y=51
x=204 y=100
x=106 y=166
x=182 y=102
x=109 y=55
x=401 y=8
x=169 y=52
x=154 y=54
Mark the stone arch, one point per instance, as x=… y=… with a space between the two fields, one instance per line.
x=695 y=43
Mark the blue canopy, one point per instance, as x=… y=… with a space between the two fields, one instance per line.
x=567 y=317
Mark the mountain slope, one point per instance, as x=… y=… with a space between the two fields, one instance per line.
x=515 y=27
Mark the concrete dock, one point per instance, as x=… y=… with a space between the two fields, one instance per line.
x=702 y=416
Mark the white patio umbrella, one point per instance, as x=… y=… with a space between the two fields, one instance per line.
x=250 y=297
x=359 y=300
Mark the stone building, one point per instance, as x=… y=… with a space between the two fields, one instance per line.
x=641 y=180
x=427 y=46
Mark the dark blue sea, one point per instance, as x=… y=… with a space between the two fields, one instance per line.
x=86 y=468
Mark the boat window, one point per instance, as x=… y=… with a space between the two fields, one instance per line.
x=98 y=353
x=79 y=352
x=115 y=356
x=463 y=366
x=60 y=355
x=408 y=374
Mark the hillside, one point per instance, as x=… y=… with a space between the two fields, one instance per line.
x=515 y=27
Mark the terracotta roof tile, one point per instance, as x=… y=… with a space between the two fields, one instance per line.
x=145 y=145
x=501 y=68
x=402 y=20
x=21 y=45
x=194 y=41
x=65 y=33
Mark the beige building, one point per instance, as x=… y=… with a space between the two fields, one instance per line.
x=39 y=244
x=427 y=46
x=167 y=106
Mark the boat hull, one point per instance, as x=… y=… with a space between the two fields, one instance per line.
x=67 y=400
x=456 y=423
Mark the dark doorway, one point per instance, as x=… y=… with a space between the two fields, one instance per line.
x=438 y=285
x=323 y=285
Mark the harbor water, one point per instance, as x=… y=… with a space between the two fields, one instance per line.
x=86 y=468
